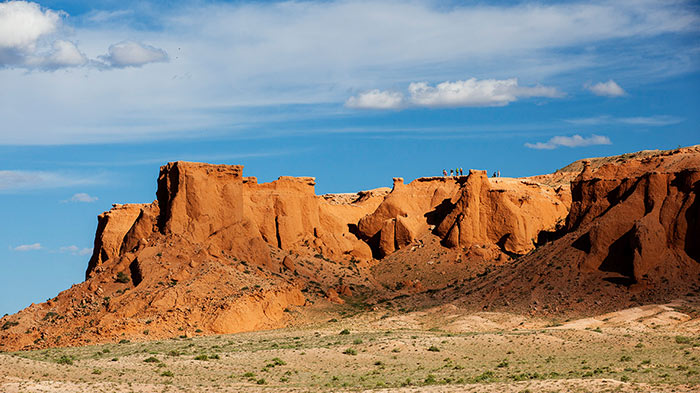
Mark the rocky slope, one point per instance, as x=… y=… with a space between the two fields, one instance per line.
x=217 y=252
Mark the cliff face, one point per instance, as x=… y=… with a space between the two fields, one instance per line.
x=219 y=253
x=510 y=216
x=632 y=235
x=643 y=227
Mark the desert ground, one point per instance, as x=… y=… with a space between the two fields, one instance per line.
x=650 y=348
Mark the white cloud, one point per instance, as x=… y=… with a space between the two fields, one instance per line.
x=75 y=250
x=133 y=54
x=473 y=92
x=570 y=141
x=238 y=56
x=22 y=23
x=461 y=93
x=28 y=40
x=28 y=247
x=82 y=197
x=64 y=54
x=376 y=99
x=32 y=180
x=607 y=89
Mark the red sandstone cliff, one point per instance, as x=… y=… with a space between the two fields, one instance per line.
x=219 y=253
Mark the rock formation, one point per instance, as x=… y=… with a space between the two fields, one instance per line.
x=217 y=252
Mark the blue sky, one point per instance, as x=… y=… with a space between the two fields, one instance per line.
x=95 y=96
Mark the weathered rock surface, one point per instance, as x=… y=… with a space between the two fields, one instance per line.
x=220 y=253
x=632 y=235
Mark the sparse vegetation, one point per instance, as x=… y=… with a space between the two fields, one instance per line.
x=122 y=278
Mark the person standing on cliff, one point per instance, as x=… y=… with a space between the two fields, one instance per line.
x=444 y=172
x=460 y=172
x=451 y=173
x=498 y=174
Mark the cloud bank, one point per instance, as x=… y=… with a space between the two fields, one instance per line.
x=29 y=38
x=570 y=141
x=461 y=93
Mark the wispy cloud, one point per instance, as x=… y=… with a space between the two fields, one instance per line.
x=607 y=89
x=461 y=93
x=75 y=250
x=33 y=180
x=28 y=247
x=570 y=141
x=82 y=197
x=240 y=54
x=650 y=121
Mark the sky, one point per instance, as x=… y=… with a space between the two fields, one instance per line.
x=96 y=96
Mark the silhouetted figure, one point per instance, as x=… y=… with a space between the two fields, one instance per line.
x=499 y=174
x=451 y=173
x=444 y=173
x=460 y=172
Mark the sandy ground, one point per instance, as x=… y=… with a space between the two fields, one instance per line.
x=654 y=348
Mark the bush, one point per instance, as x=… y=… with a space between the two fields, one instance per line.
x=201 y=357
x=167 y=374
x=430 y=380
x=64 y=360
x=9 y=324
x=261 y=381
x=97 y=371
x=484 y=377
x=433 y=348
x=278 y=362
x=350 y=351
x=683 y=340
x=344 y=332
x=151 y=360
x=122 y=278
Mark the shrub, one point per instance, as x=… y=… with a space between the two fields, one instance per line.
x=9 y=324
x=433 y=348
x=201 y=357
x=249 y=375
x=261 y=381
x=350 y=351
x=167 y=374
x=64 y=360
x=122 y=278
x=484 y=377
x=151 y=360
x=97 y=371
x=502 y=364
x=430 y=379
x=344 y=332
x=683 y=340
x=278 y=362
